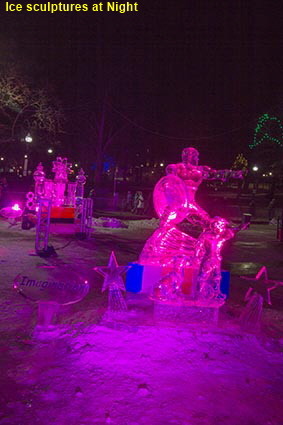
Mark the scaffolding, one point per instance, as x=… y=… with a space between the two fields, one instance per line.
x=43 y=225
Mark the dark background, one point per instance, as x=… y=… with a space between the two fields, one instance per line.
x=174 y=74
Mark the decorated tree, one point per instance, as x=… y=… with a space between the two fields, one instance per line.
x=240 y=163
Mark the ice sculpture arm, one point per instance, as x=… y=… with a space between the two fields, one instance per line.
x=211 y=174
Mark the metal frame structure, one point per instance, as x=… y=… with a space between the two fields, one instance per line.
x=43 y=225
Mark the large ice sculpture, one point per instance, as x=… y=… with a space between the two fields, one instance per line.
x=174 y=202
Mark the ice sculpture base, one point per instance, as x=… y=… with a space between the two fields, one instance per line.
x=189 y=311
x=47 y=312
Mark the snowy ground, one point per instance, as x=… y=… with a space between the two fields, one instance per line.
x=137 y=370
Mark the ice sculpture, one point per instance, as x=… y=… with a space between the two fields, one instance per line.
x=11 y=213
x=51 y=287
x=208 y=258
x=39 y=178
x=81 y=180
x=61 y=168
x=61 y=191
x=174 y=202
x=169 y=287
x=258 y=292
x=114 y=282
x=180 y=192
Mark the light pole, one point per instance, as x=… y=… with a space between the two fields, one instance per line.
x=255 y=170
x=28 y=140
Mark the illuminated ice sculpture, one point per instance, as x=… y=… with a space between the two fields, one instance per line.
x=59 y=190
x=61 y=168
x=174 y=202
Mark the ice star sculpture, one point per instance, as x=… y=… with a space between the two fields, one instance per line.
x=258 y=292
x=114 y=282
x=261 y=285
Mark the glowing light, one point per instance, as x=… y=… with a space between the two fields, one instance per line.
x=50 y=150
x=255 y=168
x=25 y=156
x=161 y=164
x=16 y=207
x=2 y=159
x=28 y=138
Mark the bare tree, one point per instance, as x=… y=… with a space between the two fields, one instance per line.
x=25 y=108
x=104 y=129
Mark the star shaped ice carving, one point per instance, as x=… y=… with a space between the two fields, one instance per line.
x=261 y=284
x=112 y=274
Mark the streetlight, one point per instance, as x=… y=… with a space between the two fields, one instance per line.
x=50 y=150
x=28 y=140
x=255 y=169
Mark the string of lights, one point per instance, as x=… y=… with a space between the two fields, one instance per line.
x=262 y=133
x=166 y=136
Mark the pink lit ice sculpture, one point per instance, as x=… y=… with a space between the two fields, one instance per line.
x=192 y=175
x=208 y=258
x=61 y=169
x=71 y=194
x=11 y=213
x=114 y=283
x=39 y=178
x=81 y=180
x=174 y=202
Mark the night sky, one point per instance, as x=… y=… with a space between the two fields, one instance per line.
x=176 y=73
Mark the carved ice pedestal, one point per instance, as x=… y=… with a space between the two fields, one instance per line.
x=188 y=312
x=46 y=314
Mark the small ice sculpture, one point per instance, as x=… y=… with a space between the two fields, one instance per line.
x=50 y=287
x=208 y=258
x=39 y=178
x=81 y=180
x=61 y=169
x=114 y=282
x=258 y=292
x=12 y=213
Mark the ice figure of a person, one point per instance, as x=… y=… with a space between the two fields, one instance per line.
x=192 y=175
x=208 y=258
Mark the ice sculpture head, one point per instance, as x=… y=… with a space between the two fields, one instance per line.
x=190 y=156
x=220 y=227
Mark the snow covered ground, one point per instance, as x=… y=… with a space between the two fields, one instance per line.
x=135 y=369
